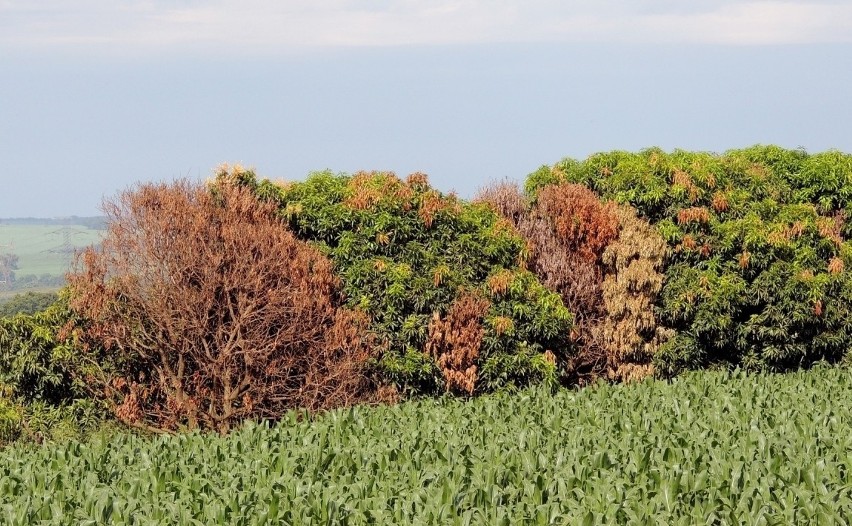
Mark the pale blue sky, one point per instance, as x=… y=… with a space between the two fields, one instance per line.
x=97 y=94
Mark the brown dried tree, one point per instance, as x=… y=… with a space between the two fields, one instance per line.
x=213 y=312
x=630 y=334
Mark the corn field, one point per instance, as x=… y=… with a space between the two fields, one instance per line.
x=708 y=448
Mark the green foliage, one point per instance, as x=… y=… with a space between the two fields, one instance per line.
x=759 y=257
x=27 y=303
x=709 y=448
x=404 y=252
x=42 y=392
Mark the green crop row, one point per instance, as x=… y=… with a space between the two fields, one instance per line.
x=709 y=448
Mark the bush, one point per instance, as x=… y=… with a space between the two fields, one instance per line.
x=454 y=341
x=407 y=253
x=42 y=378
x=757 y=274
x=213 y=312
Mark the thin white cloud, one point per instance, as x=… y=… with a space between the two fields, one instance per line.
x=281 y=26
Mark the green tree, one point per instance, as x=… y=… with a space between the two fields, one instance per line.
x=406 y=252
x=757 y=273
x=43 y=391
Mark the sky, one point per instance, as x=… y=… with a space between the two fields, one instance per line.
x=97 y=95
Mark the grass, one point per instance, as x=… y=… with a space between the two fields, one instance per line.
x=39 y=247
x=708 y=448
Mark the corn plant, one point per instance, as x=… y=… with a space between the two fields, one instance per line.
x=710 y=448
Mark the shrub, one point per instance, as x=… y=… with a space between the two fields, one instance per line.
x=42 y=378
x=214 y=312
x=580 y=220
x=758 y=239
x=405 y=252
x=555 y=229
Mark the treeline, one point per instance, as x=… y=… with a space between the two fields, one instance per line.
x=207 y=305
x=27 y=303
x=23 y=282
x=93 y=222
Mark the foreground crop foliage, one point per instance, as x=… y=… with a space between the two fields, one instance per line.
x=405 y=252
x=707 y=448
x=212 y=312
x=759 y=251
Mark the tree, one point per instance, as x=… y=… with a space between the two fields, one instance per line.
x=404 y=252
x=8 y=264
x=213 y=312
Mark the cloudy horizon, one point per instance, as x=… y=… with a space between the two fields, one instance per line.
x=264 y=26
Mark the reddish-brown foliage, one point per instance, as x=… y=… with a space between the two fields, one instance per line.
x=688 y=242
x=684 y=180
x=434 y=203
x=566 y=229
x=417 y=179
x=695 y=214
x=214 y=311
x=368 y=189
x=796 y=230
x=831 y=228
x=580 y=219
x=720 y=202
x=455 y=339
x=835 y=266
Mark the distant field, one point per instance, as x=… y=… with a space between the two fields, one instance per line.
x=42 y=249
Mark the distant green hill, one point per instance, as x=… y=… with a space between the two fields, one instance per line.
x=44 y=248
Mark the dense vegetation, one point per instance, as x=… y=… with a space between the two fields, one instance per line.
x=709 y=448
x=27 y=303
x=200 y=309
x=344 y=289
x=409 y=257
x=759 y=252
x=207 y=306
x=43 y=393
x=606 y=265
